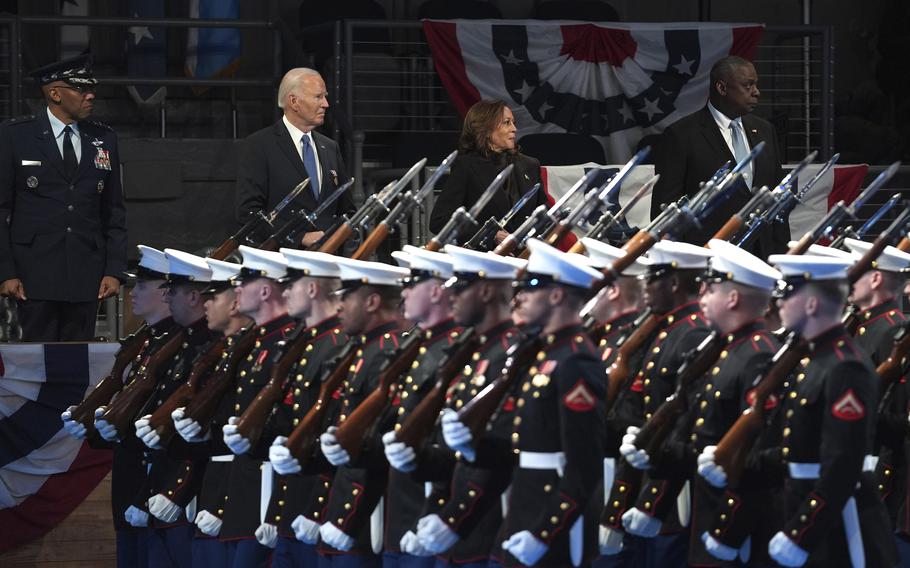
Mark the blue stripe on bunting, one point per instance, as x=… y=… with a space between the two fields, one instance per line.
x=36 y=422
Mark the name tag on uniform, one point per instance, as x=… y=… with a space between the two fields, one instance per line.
x=31 y=162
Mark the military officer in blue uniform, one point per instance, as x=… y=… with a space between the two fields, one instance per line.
x=62 y=218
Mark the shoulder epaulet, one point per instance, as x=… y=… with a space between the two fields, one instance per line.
x=99 y=124
x=18 y=119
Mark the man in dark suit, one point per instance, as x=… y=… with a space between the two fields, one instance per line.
x=62 y=218
x=277 y=158
x=694 y=147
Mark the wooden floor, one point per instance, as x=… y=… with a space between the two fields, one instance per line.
x=84 y=540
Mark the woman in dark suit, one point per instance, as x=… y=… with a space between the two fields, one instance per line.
x=487 y=145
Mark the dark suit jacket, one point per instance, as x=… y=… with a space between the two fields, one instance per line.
x=692 y=149
x=471 y=174
x=270 y=168
x=58 y=236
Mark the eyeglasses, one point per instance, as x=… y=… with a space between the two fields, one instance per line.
x=82 y=90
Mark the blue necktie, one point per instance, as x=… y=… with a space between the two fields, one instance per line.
x=740 y=151
x=309 y=163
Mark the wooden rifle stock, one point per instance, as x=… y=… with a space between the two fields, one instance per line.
x=734 y=447
x=372 y=242
x=802 y=245
x=354 y=429
x=434 y=245
x=730 y=228
x=476 y=414
x=104 y=391
x=225 y=249
x=903 y=245
x=205 y=402
x=578 y=247
x=161 y=420
x=557 y=233
x=252 y=421
x=620 y=370
x=338 y=238
x=652 y=435
x=891 y=369
x=506 y=247
x=302 y=440
x=417 y=427
x=123 y=410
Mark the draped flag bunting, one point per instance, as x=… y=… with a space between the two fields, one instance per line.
x=44 y=472
x=616 y=82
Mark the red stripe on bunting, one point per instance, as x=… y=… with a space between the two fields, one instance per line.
x=597 y=44
x=443 y=40
x=746 y=40
x=847 y=182
x=57 y=498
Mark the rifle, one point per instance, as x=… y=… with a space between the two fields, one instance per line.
x=205 y=402
x=417 y=427
x=607 y=221
x=892 y=368
x=252 y=422
x=407 y=203
x=602 y=195
x=258 y=221
x=302 y=221
x=476 y=414
x=484 y=239
x=784 y=201
x=695 y=364
x=895 y=231
x=620 y=371
x=375 y=205
x=840 y=212
x=130 y=348
x=354 y=429
x=850 y=233
x=734 y=447
x=542 y=217
x=123 y=410
x=302 y=440
x=463 y=219
x=161 y=420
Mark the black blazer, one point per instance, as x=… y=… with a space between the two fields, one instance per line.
x=471 y=174
x=692 y=149
x=59 y=236
x=270 y=168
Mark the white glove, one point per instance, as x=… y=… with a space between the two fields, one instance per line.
x=786 y=552
x=638 y=523
x=333 y=452
x=637 y=458
x=713 y=473
x=717 y=549
x=401 y=456
x=145 y=433
x=73 y=428
x=188 y=428
x=434 y=535
x=163 y=508
x=410 y=544
x=267 y=535
x=457 y=435
x=234 y=441
x=610 y=541
x=105 y=430
x=208 y=523
x=136 y=516
x=524 y=546
x=305 y=530
x=282 y=461
x=333 y=537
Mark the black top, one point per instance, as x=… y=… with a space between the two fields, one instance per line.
x=472 y=173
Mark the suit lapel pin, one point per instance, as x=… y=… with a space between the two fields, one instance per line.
x=334 y=177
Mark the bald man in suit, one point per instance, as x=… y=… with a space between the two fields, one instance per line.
x=696 y=146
